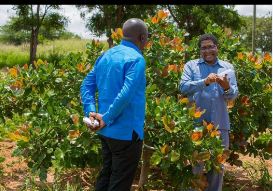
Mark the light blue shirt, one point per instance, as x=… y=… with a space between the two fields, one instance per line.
x=119 y=77
x=211 y=97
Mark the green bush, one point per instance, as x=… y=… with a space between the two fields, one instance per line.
x=43 y=120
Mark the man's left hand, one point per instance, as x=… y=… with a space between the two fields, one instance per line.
x=223 y=82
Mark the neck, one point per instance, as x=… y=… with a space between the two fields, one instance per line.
x=211 y=62
x=133 y=41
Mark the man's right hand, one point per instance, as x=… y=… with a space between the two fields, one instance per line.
x=211 y=78
x=98 y=116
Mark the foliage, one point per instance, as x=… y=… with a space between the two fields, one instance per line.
x=49 y=131
x=263 y=33
x=251 y=116
x=33 y=18
x=195 y=18
x=10 y=34
x=104 y=18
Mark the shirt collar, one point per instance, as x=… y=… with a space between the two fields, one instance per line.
x=201 y=60
x=131 y=45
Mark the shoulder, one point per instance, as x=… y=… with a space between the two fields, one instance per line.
x=131 y=54
x=192 y=63
x=226 y=64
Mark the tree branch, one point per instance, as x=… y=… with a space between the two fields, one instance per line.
x=149 y=147
x=175 y=19
x=46 y=9
x=32 y=16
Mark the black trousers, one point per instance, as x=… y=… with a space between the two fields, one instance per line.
x=120 y=161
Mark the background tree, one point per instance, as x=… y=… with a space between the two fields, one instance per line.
x=9 y=33
x=107 y=17
x=196 y=18
x=263 y=40
x=32 y=18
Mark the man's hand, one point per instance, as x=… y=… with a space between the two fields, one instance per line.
x=98 y=116
x=223 y=82
x=211 y=78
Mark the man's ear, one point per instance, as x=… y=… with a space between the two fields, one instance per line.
x=142 y=38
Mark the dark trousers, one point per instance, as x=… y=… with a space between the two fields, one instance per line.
x=120 y=161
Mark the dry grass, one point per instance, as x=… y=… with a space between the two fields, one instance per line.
x=61 y=46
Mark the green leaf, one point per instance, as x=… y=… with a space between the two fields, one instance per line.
x=49 y=151
x=156 y=158
x=43 y=174
x=2 y=159
x=58 y=153
x=59 y=80
x=174 y=156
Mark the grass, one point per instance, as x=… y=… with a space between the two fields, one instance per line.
x=11 y=55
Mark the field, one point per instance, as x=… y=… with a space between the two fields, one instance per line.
x=11 y=55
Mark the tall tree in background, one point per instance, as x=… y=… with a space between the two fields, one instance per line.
x=195 y=18
x=32 y=17
x=263 y=33
x=10 y=33
x=103 y=18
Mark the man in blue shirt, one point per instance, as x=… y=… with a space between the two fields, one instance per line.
x=119 y=77
x=210 y=83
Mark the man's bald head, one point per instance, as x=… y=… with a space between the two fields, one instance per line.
x=135 y=30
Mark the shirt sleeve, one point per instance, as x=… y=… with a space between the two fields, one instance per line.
x=135 y=71
x=88 y=90
x=187 y=85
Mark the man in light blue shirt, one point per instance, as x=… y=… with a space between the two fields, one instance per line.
x=119 y=77
x=210 y=83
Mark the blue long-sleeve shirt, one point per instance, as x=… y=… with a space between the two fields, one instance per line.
x=119 y=77
x=211 y=97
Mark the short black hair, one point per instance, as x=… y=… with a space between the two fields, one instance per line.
x=207 y=37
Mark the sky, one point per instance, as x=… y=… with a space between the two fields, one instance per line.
x=77 y=24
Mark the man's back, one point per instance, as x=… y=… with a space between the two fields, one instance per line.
x=120 y=79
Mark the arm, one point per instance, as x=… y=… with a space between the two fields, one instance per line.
x=229 y=82
x=88 y=90
x=135 y=71
x=187 y=85
x=232 y=93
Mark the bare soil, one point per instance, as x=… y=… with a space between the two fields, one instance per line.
x=15 y=171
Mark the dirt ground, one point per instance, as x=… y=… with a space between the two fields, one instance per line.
x=15 y=172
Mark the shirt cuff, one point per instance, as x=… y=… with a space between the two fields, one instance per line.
x=201 y=84
x=107 y=119
x=88 y=109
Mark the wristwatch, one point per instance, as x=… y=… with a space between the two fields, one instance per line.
x=227 y=91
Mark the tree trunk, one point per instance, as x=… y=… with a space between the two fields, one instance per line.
x=119 y=15
x=33 y=45
x=110 y=42
x=146 y=156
